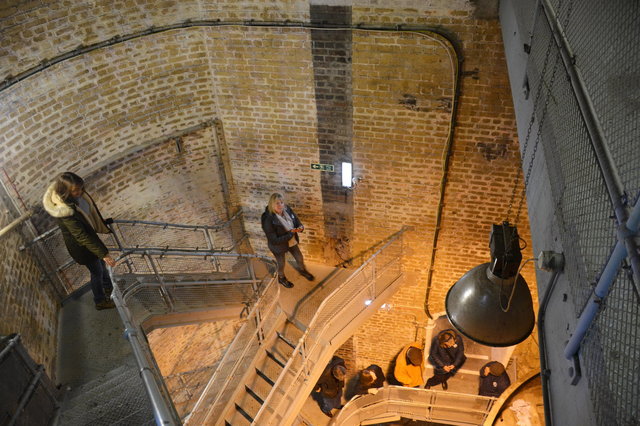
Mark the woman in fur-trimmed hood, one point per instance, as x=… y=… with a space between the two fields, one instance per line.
x=80 y=222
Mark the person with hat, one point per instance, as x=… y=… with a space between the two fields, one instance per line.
x=493 y=379
x=447 y=356
x=409 y=367
x=328 y=390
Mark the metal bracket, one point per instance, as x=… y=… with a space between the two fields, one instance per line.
x=574 y=370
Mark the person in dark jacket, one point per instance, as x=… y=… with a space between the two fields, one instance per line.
x=80 y=222
x=447 y=356
x=369 y=378
x=328 y=390
x=282 y=226
x=493 y=379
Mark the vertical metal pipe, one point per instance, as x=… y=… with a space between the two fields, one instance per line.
x=544 y=371
x=163 y=290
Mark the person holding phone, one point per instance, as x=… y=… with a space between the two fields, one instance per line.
x=282 y=226
x=80 y=222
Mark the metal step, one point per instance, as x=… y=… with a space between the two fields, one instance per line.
x=244 y=413
x=265 y=377
x=253 y=394
x=284 y=339
x=276 y=359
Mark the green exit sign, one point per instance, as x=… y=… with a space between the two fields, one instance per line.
x=322 y=167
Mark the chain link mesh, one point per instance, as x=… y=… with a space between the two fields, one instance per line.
x=611 y=349
x=612 y=356
x=238 y=357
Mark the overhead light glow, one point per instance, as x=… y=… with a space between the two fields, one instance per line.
x=368 y=302
x=347 y=175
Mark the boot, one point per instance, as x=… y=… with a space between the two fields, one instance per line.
x=285 y=282
x=105 y=304
x=307 y=275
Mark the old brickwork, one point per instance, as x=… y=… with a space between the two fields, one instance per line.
x=188 y=355
x=483 y=168
x=29 y=305
x=158 y=183
x=266 y=101
x=82 y=114
x=92 y=113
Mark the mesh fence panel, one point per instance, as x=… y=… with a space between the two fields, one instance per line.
x=612 y=31
x=185 y=388
x=612 y=356
x=579 y=191
x=345 y=302
x=611 y=79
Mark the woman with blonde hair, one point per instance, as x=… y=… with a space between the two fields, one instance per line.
x=282 y=226
x=80 y=222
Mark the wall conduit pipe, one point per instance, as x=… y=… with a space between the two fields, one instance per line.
x=544 y=369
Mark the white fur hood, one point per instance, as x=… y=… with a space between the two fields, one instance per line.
x=54 y=205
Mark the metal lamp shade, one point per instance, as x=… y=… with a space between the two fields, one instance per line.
x=473 y=307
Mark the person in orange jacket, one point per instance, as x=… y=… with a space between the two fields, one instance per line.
x=410 y=366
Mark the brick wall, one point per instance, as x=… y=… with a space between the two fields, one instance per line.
x=91 y=113
x=28 y=305
x=402 y=189
x=158 y=183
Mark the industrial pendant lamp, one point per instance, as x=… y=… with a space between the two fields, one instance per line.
x=491 y=304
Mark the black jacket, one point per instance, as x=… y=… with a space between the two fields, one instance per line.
x=277 y=236
x=362 y=389
x=491 y=385
x=328 y=385
x=440 y=357
x=79 y=235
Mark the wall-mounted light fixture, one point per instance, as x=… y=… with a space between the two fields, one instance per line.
x=347 y=175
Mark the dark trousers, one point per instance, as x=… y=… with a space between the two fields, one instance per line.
x=327 y=404
x=100 y=280
x=438 y=378
x=297 y=255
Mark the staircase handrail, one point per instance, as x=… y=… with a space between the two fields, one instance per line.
x=262 y=417
x=162 y=405
x=163 y=225
x=164 y=411
x=416 y=403
x=199 y=412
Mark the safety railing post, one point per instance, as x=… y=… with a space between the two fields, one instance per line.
x=207 y=237
x=164 y=292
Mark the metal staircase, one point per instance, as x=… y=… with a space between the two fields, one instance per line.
x=268 y=370
x=283 y=358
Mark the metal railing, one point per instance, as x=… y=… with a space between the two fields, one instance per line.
x=334 y=314
x=166 y=269
x=154 y=282
x=417 y=404
x=242 y=351
x=128 y=235
x=158 y=282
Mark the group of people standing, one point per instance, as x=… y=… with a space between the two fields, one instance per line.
x=446 y=355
